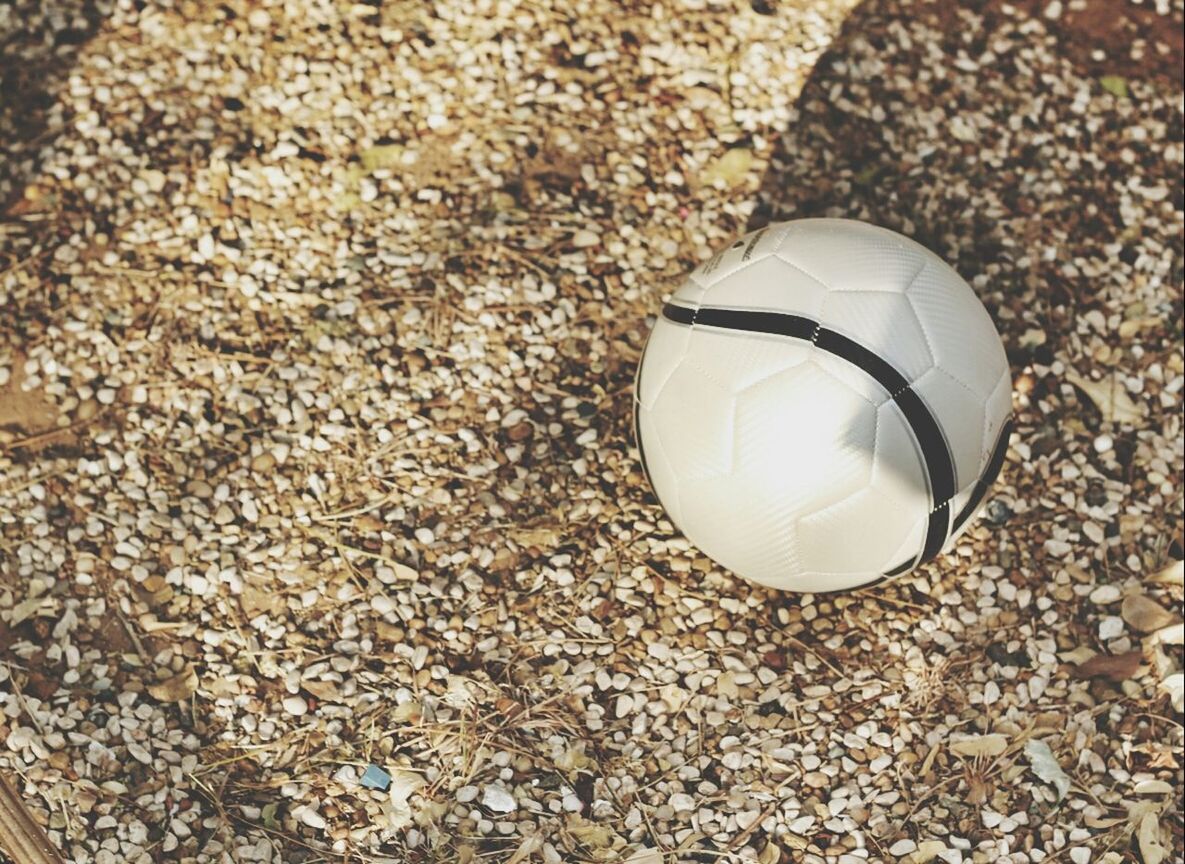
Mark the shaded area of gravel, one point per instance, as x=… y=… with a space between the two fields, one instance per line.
x=315 y=470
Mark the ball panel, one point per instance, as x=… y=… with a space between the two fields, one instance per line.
x=997 y=410
x=959 y=413
x=737 y=360
x=663 y=478
x=690 y=293
x=884 y=324
x=742 y=253
x=768 y=284
x=852 y=256
x=911 y=546
x=803 y=440
x=694 y=418
x=663 y=353
x=898 y=467
x=860 y=534
x=740 y=531
x=961 y=333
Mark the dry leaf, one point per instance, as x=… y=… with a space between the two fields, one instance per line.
x=927 y=851
x=1145 y=614
x=770 y=854
x=1046 y=767
x=326 y=691
x=542 y=537
x=26 y=609
x=381 y=156
x=531 y=844
x=1092 y=821
x=1149 y=836
x=1113 y=667
x=598 y=837
x=1110 y=397
x=978 y=790
x=1172 y=573
x=255 y=600
x=732 y=167
x=646 y=855
x=176 y=689
x=980 y=745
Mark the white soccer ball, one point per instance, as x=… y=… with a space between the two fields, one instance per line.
x=822 y=405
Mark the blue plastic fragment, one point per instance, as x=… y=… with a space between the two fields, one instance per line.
x=376 y=778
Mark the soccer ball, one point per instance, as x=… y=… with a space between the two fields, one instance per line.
x=822 y=405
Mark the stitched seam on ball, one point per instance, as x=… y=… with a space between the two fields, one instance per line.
x=800 y=269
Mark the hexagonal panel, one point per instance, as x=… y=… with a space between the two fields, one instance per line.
x=693 y=417
x=736 y=359
x=803 y=440
x=852 y=256
x=769 y=284
x=962 y=335
x=884 y=324
x=738 y=530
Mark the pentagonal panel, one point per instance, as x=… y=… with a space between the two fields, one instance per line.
x=883 y=323
x=769 y=284
x=739 y=531
x=663 y=354
x=852 y=256
x=737 y=359
x=742 y=253
x=803 y=440
x=693 y=417
x=961 y=333
x=959 y=413
x=690 y=293
x=663 y=478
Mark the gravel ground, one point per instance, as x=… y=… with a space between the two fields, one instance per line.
x=322 y=536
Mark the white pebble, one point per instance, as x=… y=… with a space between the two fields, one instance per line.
x=1110 y=627
x=498 y=799
x=1105 y=594
x=295 y=705
x=584 y=238
x=902 y=847
x=313 y=819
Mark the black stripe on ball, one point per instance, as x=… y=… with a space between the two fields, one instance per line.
x=936 y=454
